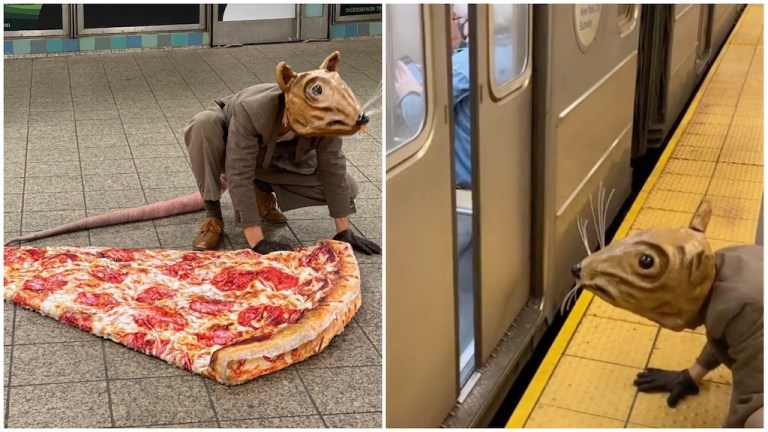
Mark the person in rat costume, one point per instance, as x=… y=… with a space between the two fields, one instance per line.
x=278 y=143
x=672 y=277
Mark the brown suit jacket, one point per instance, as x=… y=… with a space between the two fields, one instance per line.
x=253 y=118
x=733 y=318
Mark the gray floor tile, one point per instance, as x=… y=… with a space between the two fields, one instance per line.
x=163 y=165
x=111 y=182
x=71 y=405
x=203 y=425
x=178 y=236
x=108 y=140
x=6 y=366
x=123 y=362
x=114 y=199
x=370 y=277
x=139 y=126
x=118 y=166
x=296 y=422
x=46 y=202
x=360 y=421
x=14 y=155
x=103 y=114
x=13 y=171
x=369 y=227
x=370 y=310
x=44 y=154
x=160 y=400
x=103 y=153
x=163 y=194
x=40 y=185
x=79 y=238
x=135 y=235
x=374 y=334
x=12 y=221
x=12 y=202
x=344 y=390
x=308 y=230
x=15 y=184
x=350 y=348
x=172 y=150
x=163 y=180
x=58 y=363
x=52 y=169
x=99 y=127
x=151 y=139
x=278 y=394
x=8 y=327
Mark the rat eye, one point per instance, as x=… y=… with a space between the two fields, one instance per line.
x=317 y=90
x=646 y=261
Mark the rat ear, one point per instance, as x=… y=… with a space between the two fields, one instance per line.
x=700 y=219
x=284 y=76
x=331 y=63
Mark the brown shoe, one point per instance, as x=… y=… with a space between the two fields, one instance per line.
x=209 y=236
x=268 y=207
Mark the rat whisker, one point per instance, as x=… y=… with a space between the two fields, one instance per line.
x=569 y=297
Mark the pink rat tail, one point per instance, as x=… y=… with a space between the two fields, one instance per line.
x=176 y=206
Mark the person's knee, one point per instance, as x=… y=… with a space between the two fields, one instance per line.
x=755 y=420
x=203 y=123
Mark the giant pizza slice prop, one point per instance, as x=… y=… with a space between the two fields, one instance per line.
x=227 y=315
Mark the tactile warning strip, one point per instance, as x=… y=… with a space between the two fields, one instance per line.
x=717 y=152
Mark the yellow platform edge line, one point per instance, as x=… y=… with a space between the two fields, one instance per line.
x=539 y=382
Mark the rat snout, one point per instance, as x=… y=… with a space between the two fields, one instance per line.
x=363 y=119
x=576 y=270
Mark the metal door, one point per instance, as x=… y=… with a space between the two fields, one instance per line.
x=421 y=355
x=501 y=135
x=586 y=62
x=704 y=51
x=237 y=23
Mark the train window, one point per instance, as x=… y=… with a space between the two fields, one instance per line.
x=509 y=42
x=627 y=17
x=406 y=74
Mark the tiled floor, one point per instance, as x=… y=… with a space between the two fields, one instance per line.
x=719 y=155
x=85 y=134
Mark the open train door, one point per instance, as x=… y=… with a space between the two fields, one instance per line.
x=422 y=361
x=501 y=70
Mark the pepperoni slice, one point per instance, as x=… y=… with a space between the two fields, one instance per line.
x=154 y=293
x=13 y=256
x=51 y=283
x=95 y=299
x=181 y=271
x=108 y=275
x=119 y=255
x=232 y=279
x=269 y=315
x=157 y=318
x=217 y=335
x=77 y=319
x=319 y=257
x=210 y=307
x=59 y=259
x=279 y=279
x=140 y=342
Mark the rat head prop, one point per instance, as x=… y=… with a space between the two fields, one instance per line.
x=661 y=274
x=319 y=102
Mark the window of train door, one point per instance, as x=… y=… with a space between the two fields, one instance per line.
x=406 y=97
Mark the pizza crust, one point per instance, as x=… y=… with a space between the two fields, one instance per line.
x=306 y=337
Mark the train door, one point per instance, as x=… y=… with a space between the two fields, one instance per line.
x=586 y=61
x=501 y=69
x=237 y=23
x=422 y=353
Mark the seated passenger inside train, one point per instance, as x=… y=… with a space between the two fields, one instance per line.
x=408 y=85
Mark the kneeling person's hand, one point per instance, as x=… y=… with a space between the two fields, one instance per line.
x=679 y=384
x=265 y=246
x=358 y=243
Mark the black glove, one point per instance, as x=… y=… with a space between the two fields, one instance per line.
x=265 y=246
x=679 y=384
x=358 y=243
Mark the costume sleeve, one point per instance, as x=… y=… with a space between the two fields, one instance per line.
x=744 y=333
x=242 y=152
x=708 y=358
x=332 y=171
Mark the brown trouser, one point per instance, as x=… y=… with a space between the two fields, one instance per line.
x=206 y=143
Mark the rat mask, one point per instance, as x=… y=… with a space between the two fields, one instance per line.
x=319 y=102
x=661 y=274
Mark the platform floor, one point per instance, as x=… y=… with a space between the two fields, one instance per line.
x=586 y=378
x=85 y=134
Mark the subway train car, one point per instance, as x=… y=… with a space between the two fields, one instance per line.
x=503 y=121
